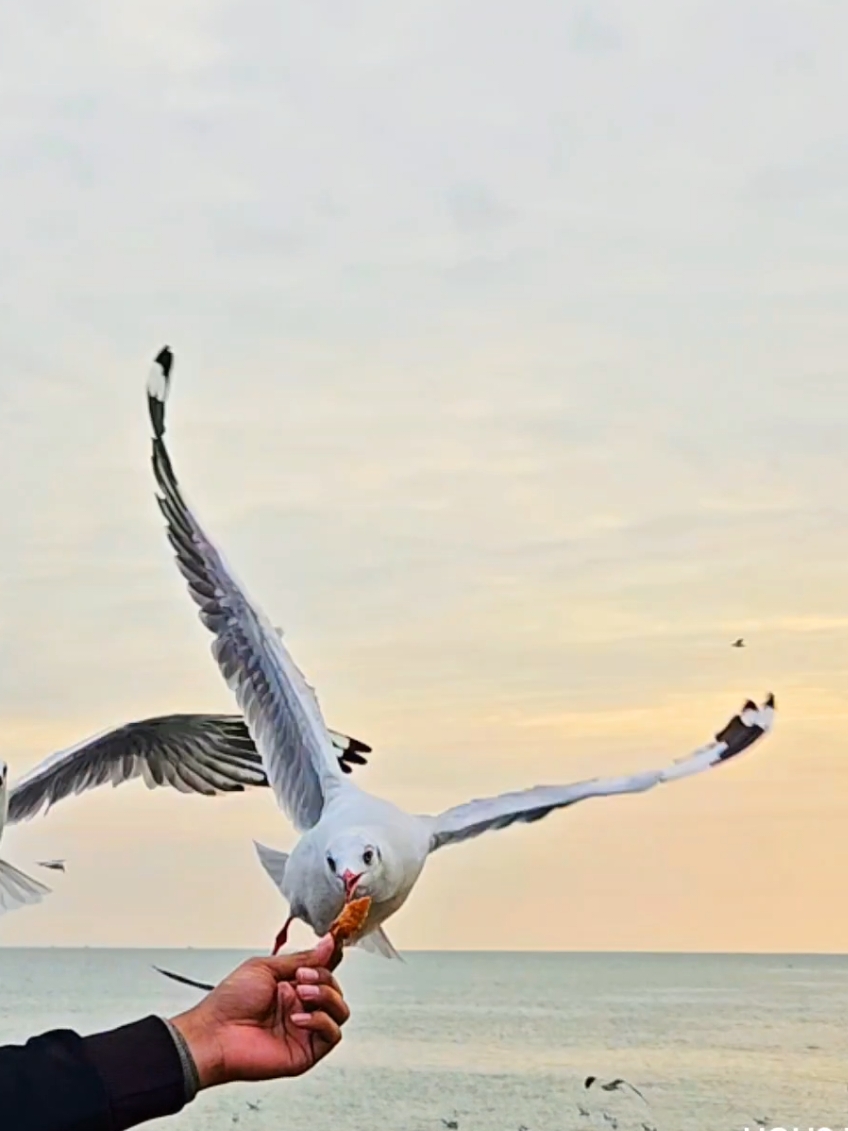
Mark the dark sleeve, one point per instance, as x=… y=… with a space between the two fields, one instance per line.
x=108 y=1082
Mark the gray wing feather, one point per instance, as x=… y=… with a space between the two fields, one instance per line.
x=207 y=754
x=281 y=712
x=490 y=813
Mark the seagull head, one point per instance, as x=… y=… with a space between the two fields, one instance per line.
x=355 y=862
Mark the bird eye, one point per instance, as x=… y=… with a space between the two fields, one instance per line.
x=367 y=856
x=332 y=864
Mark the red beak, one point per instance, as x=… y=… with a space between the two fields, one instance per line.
x=350 y=880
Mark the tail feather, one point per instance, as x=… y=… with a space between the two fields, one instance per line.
x=273 y=862
x=17 y=889
x=377 y=942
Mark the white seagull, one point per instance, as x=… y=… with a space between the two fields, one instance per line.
x=352 y=844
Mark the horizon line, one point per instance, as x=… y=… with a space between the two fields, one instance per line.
x=470 y=952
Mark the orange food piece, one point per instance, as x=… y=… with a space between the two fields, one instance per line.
x=348 y=924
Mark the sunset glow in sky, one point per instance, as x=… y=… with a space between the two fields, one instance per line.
x=510 y=375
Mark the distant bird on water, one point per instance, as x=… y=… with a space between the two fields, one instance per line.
x=739 y=643
x=617 y=1085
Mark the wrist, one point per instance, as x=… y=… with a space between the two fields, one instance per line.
x=203 y=1046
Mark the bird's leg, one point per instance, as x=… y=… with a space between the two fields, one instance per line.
x=281 y=938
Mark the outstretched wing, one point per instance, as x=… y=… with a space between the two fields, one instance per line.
x=476 y=817
x=281 y=711
x=208 y=754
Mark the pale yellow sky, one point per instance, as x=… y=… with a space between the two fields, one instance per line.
x=510 y=376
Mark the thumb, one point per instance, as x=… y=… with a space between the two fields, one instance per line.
x=284 y=966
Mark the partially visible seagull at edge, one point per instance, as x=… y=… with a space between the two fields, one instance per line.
x=352 y=844
x=17 y=889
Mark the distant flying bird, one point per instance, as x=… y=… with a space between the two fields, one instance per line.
x=53 y=865
x=740 y=643
x=451 y=1124
x=352 y=844
x=253 y=1107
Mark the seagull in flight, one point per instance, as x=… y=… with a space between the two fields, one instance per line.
x=352 y=843
x=739 y=643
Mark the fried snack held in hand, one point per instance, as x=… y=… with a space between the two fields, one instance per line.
x=349 y=923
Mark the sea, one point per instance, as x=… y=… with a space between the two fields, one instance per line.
x=502 y=1042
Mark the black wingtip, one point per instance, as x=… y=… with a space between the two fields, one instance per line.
x=355 y=757
x=165 y=358
x=738 y=735
x=158 y=382
x=590 y=1080
x=359 y=747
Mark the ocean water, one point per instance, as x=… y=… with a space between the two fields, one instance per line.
x=499 y=1042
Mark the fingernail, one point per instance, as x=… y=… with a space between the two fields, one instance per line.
x=300 y=1018
x=308 y=992
x=307 y=974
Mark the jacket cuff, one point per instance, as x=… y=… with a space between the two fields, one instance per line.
x=141 y=1067
x=191 y=1076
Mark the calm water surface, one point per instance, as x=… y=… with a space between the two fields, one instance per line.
x=500 y=1042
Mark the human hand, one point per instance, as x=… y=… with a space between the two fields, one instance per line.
x=271 y=1017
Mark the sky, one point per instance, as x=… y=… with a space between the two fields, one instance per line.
x=510 y=374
